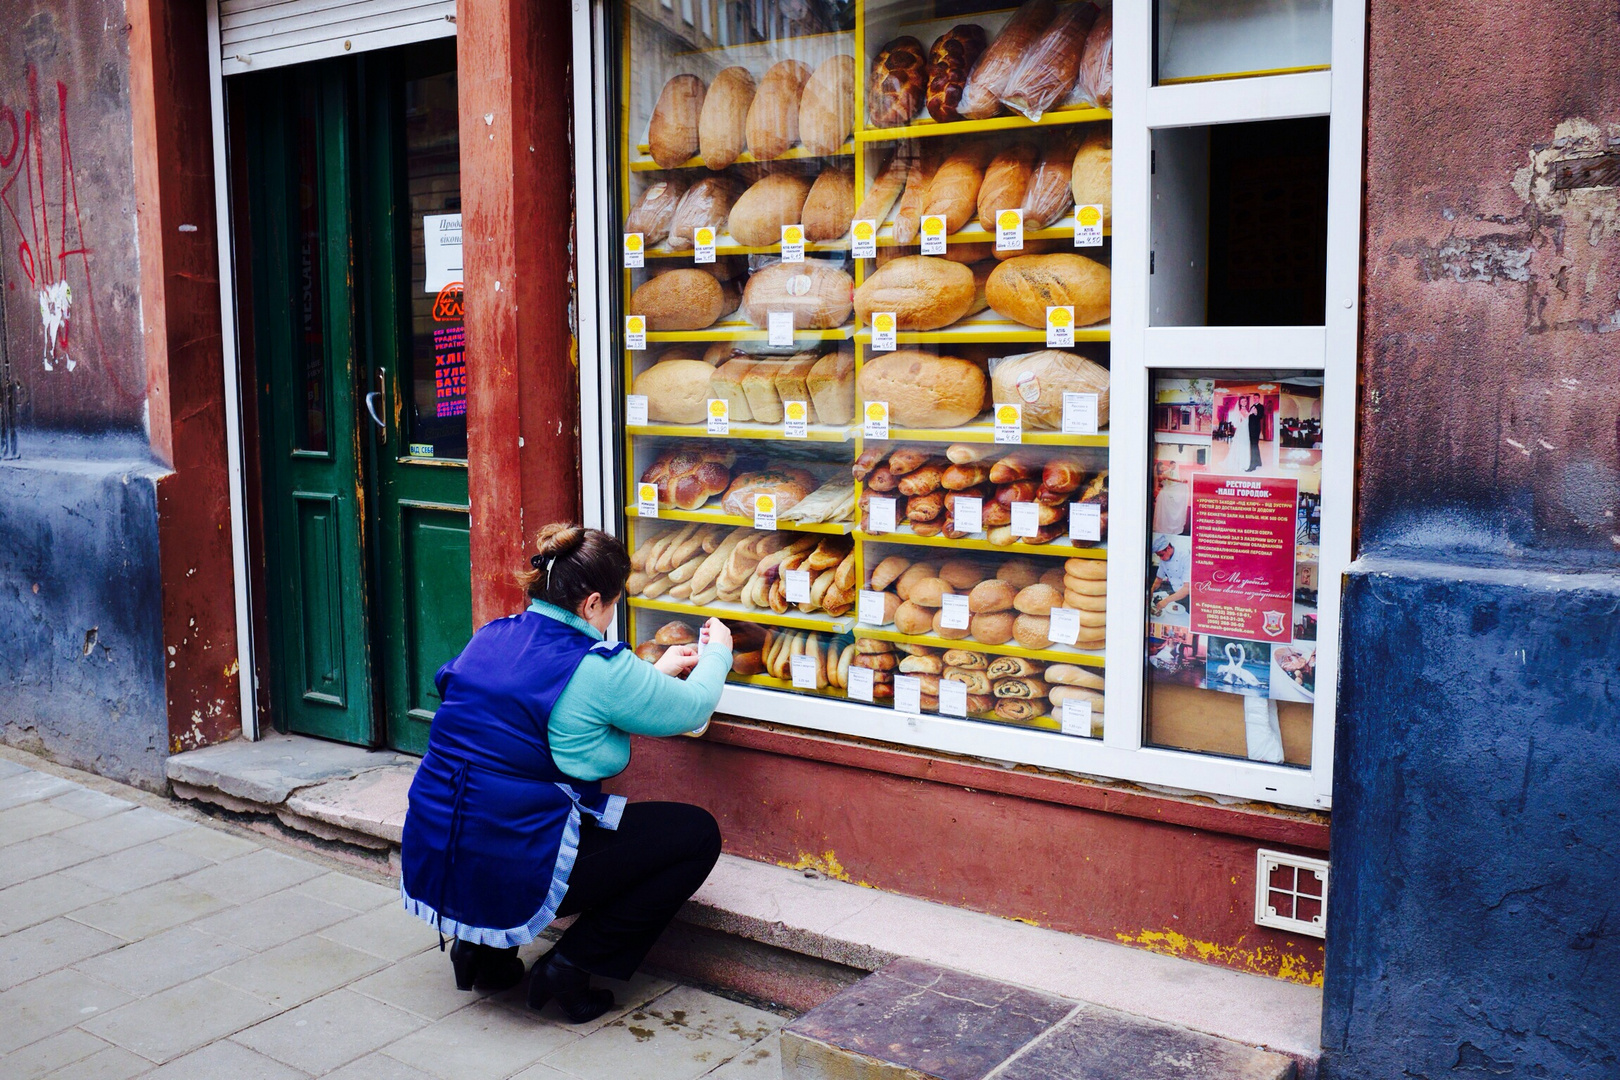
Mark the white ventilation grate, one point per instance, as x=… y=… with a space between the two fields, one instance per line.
x=1290 y=893
x=258 y=34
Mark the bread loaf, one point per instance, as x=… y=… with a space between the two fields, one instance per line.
x=1097 y=63
x=981 y=97
x=886 y=189
x=727 y=382
x=827 y=106
x=1005 y=180
x=1033 y=631
x=1049 y=195
x=950 y=59
x=1038 y=599
x=759 y=387
x=677 y=391
x=686 y=299
x=924 y=390
x=773 y=116
x=707 y=202
x=787 y=486
x=1074 y=675
x=832 y=386
x=830 y=205
x=992 y=627
x=1037 y=382
x=655 y=210
x=1047 y=70
x=792 y=378
x=899 y=80
x=672 y=134
x=819 y=296
x=924 y=293
x=908 y=215
x=1093 y=177
x=953 y=193
x=1022 y=289
x=775 y=199
x=723 y=123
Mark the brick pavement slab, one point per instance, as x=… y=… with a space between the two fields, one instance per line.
x=54 y=1052
x=180 y=1019
x=27 y=786
x=136 y=867
x=43 y=898
x=333 y=1030
x=272 y=920
x=303 y=968
x=112 y=1063
x=41 y=855
x=49 y=946
x=225 y=1061
x=168 y=959
x=53 y=1003
x=481 y=1042
x=148 y=911
x=27 y=820
x=124 y=830
x=258 y=873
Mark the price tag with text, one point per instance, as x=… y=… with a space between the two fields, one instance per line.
x=793 y=243
x=1026 y=519
x=779 y=326
x=1059 y=327
x=863 y=234
x=1085 y=521
x=796 y=583
x=703 y=244
x=1079 y=413
x=635 y=332
x=719 y=416
x=883 y=327
x=871 y=609
x=952 y=698
x=880 y=514
x=1010 y=230
x=967 y=513
x=635 y=251
x=860 y=683
x=933 y=234
x=765 y=511
x=795 y=420
x=953 y=611
x=876 y=416
x=647 y=500
x=805 y=672
x=907 y=694
x=1076 y=718
x=1009 y=423
x=1088 y=226
x=635 y=409
x=1065 y=625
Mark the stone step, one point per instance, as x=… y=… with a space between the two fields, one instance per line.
x=916 y=1021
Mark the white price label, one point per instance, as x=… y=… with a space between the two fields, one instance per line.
x=907 y=694
x=647 y=500
x=795 y=420
x=1009 y=423
x=967 y=513
x=952 y=698
x=883 y=327
x=703 y=244
x=797 y=585
x=933 y=234
x=635 y=409
x=1085 y=521
x=793 y=243
x=1079 y=413
x=953 y=611
x=1088 y=226
x=765 y=511
x=805 y=672
x=880 y=511
x=1059 y=327
x=860 y=683
x=719 y=416
x=863 y=235
x=871 y=608
x=876 y=420
x=1065 y=625
x=1076 y=718
x=635 y=332
x=780 y=328
x=635 y=251
x=1010 y=230
x=1026 y=519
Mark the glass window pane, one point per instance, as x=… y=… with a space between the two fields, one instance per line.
x=1225 y=39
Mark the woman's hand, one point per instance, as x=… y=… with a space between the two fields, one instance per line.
x=718 y=634
x=678 y=660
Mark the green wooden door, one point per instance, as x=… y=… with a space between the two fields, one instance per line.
x=352 y=170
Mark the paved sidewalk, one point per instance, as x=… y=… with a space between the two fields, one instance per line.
x=142 y=940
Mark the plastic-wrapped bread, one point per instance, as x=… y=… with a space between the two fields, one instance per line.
x=818 y=295
x=1092 y=181
x=950 y=59
x=898 y=83
x=1049 y=195
x=707 y=202
x=672 y=134
x=827 y=106
x=773 y=116
x=1096 y=81
x=981 y=98
x=655 y=210
x=723 y=123
x=1006 y=180
x=1047 y=72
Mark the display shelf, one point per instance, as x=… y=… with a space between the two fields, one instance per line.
x=771 y=682
x=726 y=610
x=726 y=244
x=983 y=430
x=975 y=233
x=977 y=543
x=926 y=127
x=644 y=163
x=712 y=515
x=1182 y=80
x=813 y=433
x=1062 y=654
x=739 y=330
x=985 y=327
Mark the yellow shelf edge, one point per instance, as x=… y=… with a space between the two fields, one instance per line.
x=703 y=517
x=970 y=544
x=737 y=613
x=661 y=252
x=748 y=332
x=815 y=432
x=986 y=433
x=1061 y=655
x=927 y=127
x=770 y=682
x=977 y=234
x=797 y=153
x=983 y=332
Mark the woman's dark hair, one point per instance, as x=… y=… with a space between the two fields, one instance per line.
x=571 y=562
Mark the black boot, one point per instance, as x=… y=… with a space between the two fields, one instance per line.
x=554 y=977
x=485 y=967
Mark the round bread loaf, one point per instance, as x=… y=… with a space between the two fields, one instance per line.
x=923 y=292
x=928 y=592
x=775 y=199
x=1019 y=573
x=678 y=391
x=1093 y=178
x=819 y=296
x=723 y=122
x=1037 y=382
x=924 y=390
x=961 y=574
x=1021 y=289
x=1038 y=599
x=650 y=651
x=672 y=134
x=941 y=630
x=687 y=299
x=1033 y=631
x=1086 y=569
x=676 y=632
x=914 y=573
x=888 y=571
x=992 y=595
x=992 y=627
x=912 y=618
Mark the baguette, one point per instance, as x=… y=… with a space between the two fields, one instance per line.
x=1005 y=181
x=953 y=193
x=981 y=97
x=723 y=123
x=772 y=126
x=886 y=189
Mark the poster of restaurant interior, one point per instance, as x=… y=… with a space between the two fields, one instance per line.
x=1236 y=481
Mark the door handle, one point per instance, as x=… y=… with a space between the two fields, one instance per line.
x=371 y=407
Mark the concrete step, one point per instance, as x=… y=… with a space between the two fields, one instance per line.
x=919 y=1021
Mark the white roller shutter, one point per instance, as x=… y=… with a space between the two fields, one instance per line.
x=258 y=34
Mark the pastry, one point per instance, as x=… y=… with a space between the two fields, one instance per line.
x=1017 y=709
x=950 y=59
x=966 y=659
x=706 y=203
x=686 y=479
x=827 y=106
x=964 y=453
x=685 y=299
x=677 y=391
x=1047 y=71
x=1018 y=465
x=830 y=205
x=1025 y=688
x=772 y=126
x=774 y=200
x=923 y=480
x=672 y=134
x=922 y=389
x=926 y=664
x=1003 y=667
x=923 y=293
x=898 y=83
x=655 y=210
x=905 y=459
x=977 y=682
x=1023 y=288
x=832 y=386
x=723 y=122
x=820 y=296
x=788 y=485
x=981 y=97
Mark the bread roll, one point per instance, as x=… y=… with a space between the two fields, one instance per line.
x=830 y=206
x=924 y=664
x=1074 y=675
x=672 y=134
x=899 y=80
x=775 y=199
x=923 y=292
x=924 y=390
x=827 y=106
x=685 y=299
x=676 y=632
x=723 y=123
x=1053 y=577
x=1022 y=289
x=961 y=574
x=707 y=202
x=1038 y=599
x=928 y=592
x=950 y=59
x=1092 y=181
x=773 y=115
x=1060 y=694
x=1033 y=631
x=992 y=627
x=912 y=618
x=1086 y=569
x=1005 y=180
x=655 y=210
x=1019 y=573
x=727 y=382
x=953 y=193
x=832 y=386
x=819 y=295
x=1049 y=194
x=650 y=651
x=981 y=97
x=886 y=189
x=992 y=595
x=677 y=392
x=951 y=633
x=1047 y=70
x=1037 y=381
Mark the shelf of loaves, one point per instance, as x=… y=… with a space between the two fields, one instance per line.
x=739 y=330
x=643 y=161
x=726 y=244
x=985 y=327
x=722 y=609
x=827 y=433
x=975 y=233
x=712 y=515
x=925 y=127
x=983 y=430
x=1060 y=653
x=978 y=542
x=772 y=683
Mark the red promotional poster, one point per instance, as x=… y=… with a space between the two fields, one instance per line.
x=1243 y=556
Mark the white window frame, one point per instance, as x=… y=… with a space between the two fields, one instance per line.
x=1137 y=350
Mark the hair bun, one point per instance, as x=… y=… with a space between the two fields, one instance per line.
x=560 y=540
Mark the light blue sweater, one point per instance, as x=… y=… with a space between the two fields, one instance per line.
x=611 y=698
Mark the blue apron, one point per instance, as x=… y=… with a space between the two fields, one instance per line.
x=493 y=826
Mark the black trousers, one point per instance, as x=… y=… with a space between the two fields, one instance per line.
x=628 y=883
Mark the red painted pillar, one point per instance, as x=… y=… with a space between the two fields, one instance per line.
x=517 y=206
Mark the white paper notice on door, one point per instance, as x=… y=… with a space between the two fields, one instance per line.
x=441 y=243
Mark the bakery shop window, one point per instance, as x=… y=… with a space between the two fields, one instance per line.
x=1199 y=40
x=1236 y=532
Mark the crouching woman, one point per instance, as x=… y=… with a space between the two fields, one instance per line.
x=508 y=827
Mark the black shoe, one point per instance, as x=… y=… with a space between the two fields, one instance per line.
x=555 y=977
x=485 y=967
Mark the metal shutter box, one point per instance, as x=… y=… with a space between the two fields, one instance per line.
x=258 y=34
